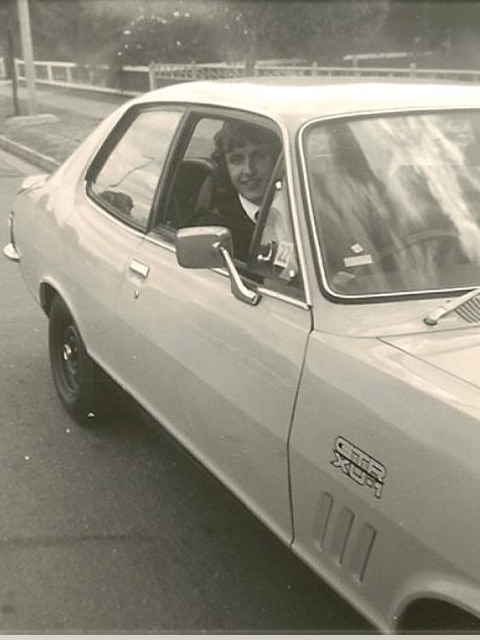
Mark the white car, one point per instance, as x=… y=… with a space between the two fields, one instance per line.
x=328 y=377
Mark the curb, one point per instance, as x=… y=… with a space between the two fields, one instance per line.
x=30 y=155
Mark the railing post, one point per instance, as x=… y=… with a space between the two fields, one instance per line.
x=194 y=70
x=68 y=73
x=49 y=72
x=91 y=75
x=412 y=70
x=355 y=66
x=18 y=64
x=151 y=76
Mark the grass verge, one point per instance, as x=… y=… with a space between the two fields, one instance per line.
x=54 y=139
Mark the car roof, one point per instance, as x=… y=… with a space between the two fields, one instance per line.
x=299 y=99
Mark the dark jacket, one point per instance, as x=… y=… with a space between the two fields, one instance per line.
x=229 y=213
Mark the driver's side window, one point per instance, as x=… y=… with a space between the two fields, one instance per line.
x=274 y=255
x=230 y=174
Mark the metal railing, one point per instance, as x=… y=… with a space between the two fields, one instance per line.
x=162 y=72
x=129 y=80
x=133 y=80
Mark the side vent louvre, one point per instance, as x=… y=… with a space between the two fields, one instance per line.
x=470 y=310
x=322 y=519
x=339 y=534
x=361 y=551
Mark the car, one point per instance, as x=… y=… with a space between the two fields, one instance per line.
x=327 y=375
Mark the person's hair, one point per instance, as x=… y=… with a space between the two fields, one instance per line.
x=237 y=134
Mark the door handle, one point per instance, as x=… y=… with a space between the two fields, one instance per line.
x=140 y=268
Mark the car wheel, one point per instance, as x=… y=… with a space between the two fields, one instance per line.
x=436 y=617
x=74 y=372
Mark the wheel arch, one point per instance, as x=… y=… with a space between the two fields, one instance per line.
x=47 y=294
x=431 y=613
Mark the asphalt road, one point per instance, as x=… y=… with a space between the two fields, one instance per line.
x=114 y=529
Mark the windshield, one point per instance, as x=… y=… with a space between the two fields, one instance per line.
x=396 y=201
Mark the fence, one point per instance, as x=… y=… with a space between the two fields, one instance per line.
x=160 y=73
x=133 y=80
x=128 y=79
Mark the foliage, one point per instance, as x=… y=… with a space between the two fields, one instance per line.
x=448 y=31
x=119 y=32
x=205 y=30
x=312 y=30
x=173 y=34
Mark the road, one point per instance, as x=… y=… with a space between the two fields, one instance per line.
x=114 y=529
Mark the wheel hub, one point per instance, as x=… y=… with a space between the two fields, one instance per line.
x=70 y=358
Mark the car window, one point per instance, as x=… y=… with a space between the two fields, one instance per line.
x=221 y=178
x=127 y=180
x=274 y=254
x=192 y=186
x=395 y=201
x=225 y=177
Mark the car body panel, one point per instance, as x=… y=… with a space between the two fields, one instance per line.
x=358 y=392
x=222 y=375
x=295 y=101
x=453 y=353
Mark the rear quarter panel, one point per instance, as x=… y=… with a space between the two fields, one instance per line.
x=41 y=213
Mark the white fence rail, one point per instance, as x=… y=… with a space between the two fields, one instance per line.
x=181 y=73
x=133 y=80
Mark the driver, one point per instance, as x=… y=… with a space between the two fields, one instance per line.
x=244 y=158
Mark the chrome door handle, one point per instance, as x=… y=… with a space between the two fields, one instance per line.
x=140 y=268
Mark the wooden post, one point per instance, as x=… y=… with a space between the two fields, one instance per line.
x=27 y=48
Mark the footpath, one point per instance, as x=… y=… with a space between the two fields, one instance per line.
x=65 y=119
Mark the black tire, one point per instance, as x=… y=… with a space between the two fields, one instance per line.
x=75 y=375
x=436 y=617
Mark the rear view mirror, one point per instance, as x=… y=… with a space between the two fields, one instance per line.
x=199 y=247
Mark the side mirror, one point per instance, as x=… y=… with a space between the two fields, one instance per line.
x=208 y=248
x=199 y=247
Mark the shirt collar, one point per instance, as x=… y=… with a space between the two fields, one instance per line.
x=250 y=208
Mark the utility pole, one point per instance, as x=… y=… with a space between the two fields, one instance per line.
x=10 y=58
x=27 y=48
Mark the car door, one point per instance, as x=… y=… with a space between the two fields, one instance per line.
x=221 y=374
x=110 y=221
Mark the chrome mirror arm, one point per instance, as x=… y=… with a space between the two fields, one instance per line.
x=239 y=290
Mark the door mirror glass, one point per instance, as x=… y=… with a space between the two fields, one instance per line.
x=199 y=247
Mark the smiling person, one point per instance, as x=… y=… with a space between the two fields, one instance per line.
x=244 y=158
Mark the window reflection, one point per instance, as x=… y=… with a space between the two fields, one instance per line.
x=129 y=176
x=396 y=201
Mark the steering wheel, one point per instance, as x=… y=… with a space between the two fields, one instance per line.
x=439 y=236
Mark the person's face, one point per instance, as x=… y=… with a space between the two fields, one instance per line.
x=250 y=167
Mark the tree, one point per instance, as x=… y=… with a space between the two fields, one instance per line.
x=169 y=35
x=446 y=31
x=314 y=30
x=77 y=30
